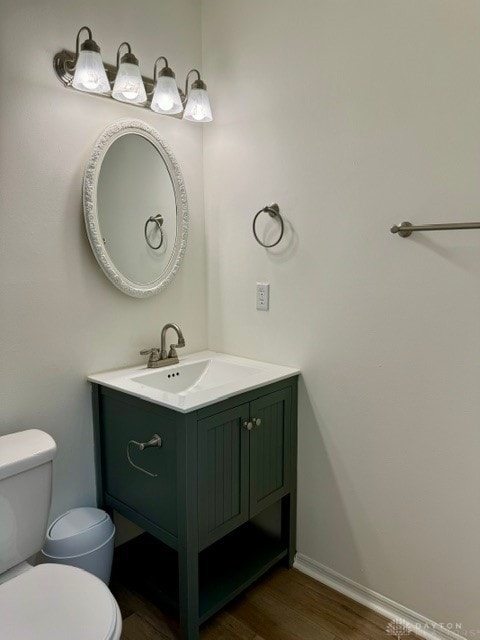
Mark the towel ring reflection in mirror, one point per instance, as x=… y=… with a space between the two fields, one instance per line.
x=158 y=220
x=273 y=211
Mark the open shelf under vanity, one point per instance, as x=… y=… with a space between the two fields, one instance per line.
x=226 y=568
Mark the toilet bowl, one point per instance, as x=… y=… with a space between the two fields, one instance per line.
x=58 y=602
x=49 y=601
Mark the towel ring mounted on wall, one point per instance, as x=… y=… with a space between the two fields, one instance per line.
x=273 y=211
x=158 y=220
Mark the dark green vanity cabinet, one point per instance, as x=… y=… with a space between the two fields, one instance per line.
x=211 y=476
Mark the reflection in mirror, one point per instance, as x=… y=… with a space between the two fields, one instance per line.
x=135 y=208
x=133 y=186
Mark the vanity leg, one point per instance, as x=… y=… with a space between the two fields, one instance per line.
x=188 y=529
x=289 y=527
x=289 y=503
x=188 y=587
x=97 y=445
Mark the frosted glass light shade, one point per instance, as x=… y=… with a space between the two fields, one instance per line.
x=129 y=85
x=90 y=73
x=166 y=98
x=198 y=106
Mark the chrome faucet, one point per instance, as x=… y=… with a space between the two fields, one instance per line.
x=159 y=357
x=181 y=342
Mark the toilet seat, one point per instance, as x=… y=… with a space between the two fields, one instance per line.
x=58 y=602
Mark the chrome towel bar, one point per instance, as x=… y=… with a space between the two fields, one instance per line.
x=406 y=229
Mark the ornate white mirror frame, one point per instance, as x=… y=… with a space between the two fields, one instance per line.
x=90 y=184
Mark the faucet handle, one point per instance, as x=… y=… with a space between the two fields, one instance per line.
x=173 y=353
x=173 y=347
x=154 y=354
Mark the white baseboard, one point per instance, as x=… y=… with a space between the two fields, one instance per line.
x=420 y=625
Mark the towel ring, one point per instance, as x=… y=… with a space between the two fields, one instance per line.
x=273 y=211
x=158 y=220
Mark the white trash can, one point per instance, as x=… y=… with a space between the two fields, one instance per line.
x=82 y=538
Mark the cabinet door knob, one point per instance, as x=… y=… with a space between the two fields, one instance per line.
x=248 y=425
x=257 y=421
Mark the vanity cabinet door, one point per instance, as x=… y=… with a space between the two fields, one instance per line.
x=223 y=459
x=270 y=449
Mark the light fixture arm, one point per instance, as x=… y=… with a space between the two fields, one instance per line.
x=129 y=51
x=155 y=67
x=72 y=64
x=165 y=71
x=188 y=78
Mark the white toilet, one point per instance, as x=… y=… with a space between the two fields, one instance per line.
x=49 y=601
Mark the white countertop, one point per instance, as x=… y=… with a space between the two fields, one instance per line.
x=196 y=381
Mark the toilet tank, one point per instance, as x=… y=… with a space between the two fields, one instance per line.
x=25 y=494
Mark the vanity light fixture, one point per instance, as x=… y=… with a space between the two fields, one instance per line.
x=198 y=107
x=89 y=72
x=166 y=97
x=85 y=70
x=128 y=85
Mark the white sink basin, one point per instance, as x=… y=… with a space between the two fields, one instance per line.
x=198 y=380
x=196 y=376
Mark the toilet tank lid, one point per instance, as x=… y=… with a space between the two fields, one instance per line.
x=25 y=450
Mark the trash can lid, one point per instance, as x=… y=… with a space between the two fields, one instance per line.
x=78 y=531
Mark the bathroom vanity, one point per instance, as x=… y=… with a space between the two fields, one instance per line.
x=197 y=454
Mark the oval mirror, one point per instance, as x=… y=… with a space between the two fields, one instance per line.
x=135 y=208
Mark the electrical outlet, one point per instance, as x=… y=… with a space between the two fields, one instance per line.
x=263 y=296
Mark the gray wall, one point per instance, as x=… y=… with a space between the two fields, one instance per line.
x=60 y=317
x=355 y=116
